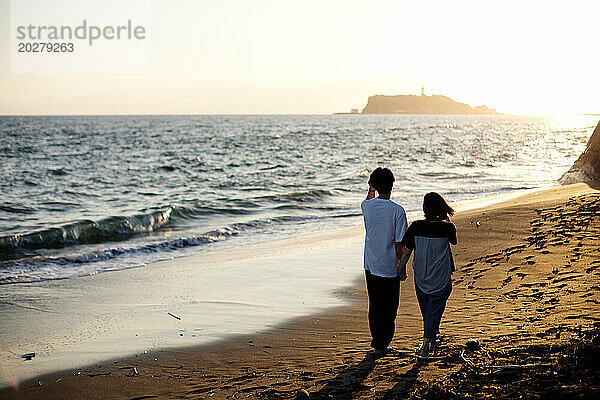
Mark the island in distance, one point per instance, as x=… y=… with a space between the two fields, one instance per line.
x=423 y=104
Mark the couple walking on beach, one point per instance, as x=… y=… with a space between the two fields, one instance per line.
x=389 y=243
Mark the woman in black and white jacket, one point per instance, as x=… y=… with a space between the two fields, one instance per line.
x=433 y=264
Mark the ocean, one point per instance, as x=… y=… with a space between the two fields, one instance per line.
x=84 y=195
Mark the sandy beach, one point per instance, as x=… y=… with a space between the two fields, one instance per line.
x=526 y=287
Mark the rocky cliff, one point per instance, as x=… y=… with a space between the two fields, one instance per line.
x=410 y=104
x=587 y=166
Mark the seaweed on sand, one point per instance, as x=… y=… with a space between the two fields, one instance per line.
x=554 y=371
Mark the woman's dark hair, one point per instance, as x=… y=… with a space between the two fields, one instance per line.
x=435 y=207
x=382 y=180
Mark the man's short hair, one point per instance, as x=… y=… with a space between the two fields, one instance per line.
x=382 y=180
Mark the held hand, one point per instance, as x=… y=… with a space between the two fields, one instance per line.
x=402 y=261
x=402 y=273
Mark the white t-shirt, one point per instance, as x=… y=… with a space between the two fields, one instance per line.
x=385 y=224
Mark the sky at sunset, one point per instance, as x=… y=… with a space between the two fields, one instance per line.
x=320 y=57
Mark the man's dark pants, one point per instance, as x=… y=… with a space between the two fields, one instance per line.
x=383 y=294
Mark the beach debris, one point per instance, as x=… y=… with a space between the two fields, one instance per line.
x=302 y=394
x=174 y=316
x=500 y=367
x=133 y=369
x=466 y=360
x=472 y=344
x=478 y=223
x=28 y=356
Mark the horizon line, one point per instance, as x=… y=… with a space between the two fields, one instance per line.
x=276 y=114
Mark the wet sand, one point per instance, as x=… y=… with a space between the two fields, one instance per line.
x=526 y=287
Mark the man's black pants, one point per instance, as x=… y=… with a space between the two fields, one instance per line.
x=384 y=295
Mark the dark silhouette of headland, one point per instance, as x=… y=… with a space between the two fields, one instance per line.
x=423 y=104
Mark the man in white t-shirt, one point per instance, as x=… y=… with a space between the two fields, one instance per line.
x=385 y=224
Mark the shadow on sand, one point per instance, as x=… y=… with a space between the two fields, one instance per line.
x=349 y=383
x=404 y=385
